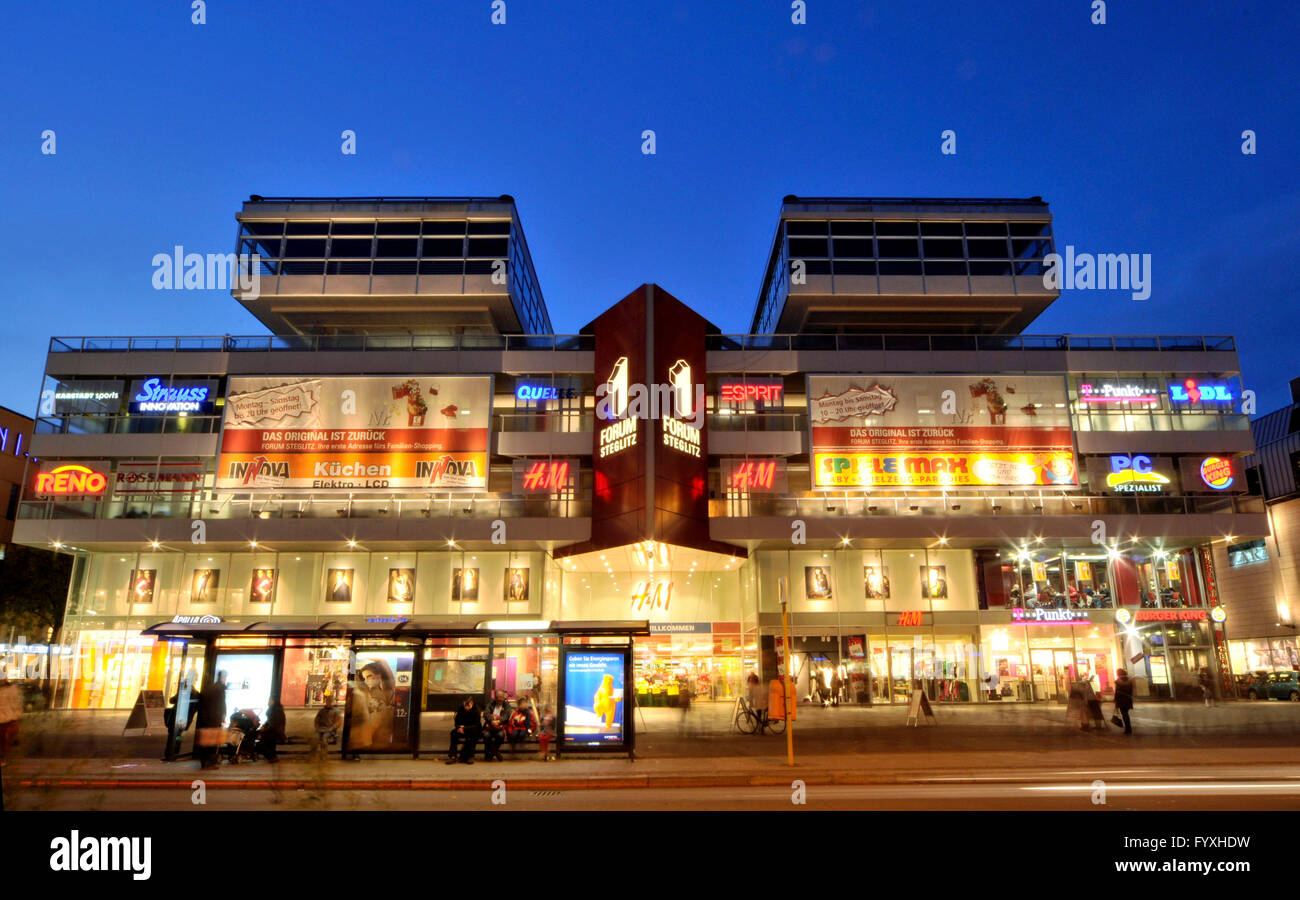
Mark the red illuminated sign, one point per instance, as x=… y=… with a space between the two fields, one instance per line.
x=1170 y=615
x=742 y=392
x=751 y=475
x=546 y=476
x=71 y=479
x=910 y=617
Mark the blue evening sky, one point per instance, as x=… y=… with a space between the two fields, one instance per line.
x=1130 y=130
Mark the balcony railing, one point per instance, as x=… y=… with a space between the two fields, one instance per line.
x=317 y=342
x=501 y=507
x=859 y=506
x=128 y=424
x=546 y=421
x=976 y=342
x=382 y=342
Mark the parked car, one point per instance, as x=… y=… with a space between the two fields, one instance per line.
x=1275 y=686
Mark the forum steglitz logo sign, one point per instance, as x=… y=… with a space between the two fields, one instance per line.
x=679 y=402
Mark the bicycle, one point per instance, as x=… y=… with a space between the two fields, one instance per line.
x=747 y=720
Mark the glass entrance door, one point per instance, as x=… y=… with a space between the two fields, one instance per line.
x=1053 y=671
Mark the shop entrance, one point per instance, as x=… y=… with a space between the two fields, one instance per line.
x=1053 y=670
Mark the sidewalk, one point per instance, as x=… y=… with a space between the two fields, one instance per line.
x=832 y=746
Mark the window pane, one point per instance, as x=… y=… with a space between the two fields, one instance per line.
x=986 y=229
x=896 y=228
x=941 y=228
x=894 y=247
x=945 y=267
x=1031 y=229
x=805 y=247
x=399 y=227
x=304 y=248
x=303 y=267
x=855 y=267
x=802 y=226
x=353 y=228
x=264 y=227
x=349 y=267
x=987 y=249
x=394 y=267
x=900 y=268
x=445 y=226
x=497 y=247
x=350 y=247
x=851 y=247
x=943 y=248
x=442 y=267
x=860 y=228
x=397 y=247
x=444 y=246
x=308 y=228
x=489 y=227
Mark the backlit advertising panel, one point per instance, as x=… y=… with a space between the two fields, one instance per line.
x=379 y=702
x=424 y=433
x=939 y=431
x=594 y=704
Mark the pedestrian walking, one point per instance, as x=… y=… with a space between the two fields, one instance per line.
x=1123 y=699
x=212 y=720
x=11 y=710
x=1207 y=686
x=684 y=703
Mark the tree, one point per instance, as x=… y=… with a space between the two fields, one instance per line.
x=33 y=591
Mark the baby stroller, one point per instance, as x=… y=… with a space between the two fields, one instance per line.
x=241 y=736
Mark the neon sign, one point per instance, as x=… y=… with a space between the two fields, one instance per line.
x=910 y=617
x=530 y=393
x=1170 y=615
x=768 y=392
x=1134 y=475
x=1049 y=616
x=1216 y=472
x=196 y=620
x=1125 y=392
x=155 y=397
x=649 y=595
x=546 y=476
x=753 y=475
x=1192 y=391
x=71 y=479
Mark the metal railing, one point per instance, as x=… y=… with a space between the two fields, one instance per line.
x=972 y=342
x=872 y=505
x=128 y=424
x=586 y=342
x=498 y=507
x=321 y=342
x=546 y=421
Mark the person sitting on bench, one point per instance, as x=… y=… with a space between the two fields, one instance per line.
x=465 y=732
x=522 y=724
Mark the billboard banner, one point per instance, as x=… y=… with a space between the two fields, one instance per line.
x=940 y=430
x=423 y=432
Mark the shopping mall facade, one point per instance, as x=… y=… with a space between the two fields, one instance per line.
x=938 y=496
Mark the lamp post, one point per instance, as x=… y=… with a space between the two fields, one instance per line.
x=786 y=692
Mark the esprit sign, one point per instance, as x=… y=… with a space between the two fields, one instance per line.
x=73 y=479
x=768 y=392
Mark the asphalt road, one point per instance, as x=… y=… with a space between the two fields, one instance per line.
x=1155 y=788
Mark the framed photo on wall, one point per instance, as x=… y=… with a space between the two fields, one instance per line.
x=142 y=584
x=464 y=585
x=401 y=585
x=934 y=582
x=516 y=586
x=204 y=584
x=817 y=582
x=262 y=587
x=338 y=586
x=876 y=582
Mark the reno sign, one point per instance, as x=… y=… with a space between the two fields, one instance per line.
x=71 y=479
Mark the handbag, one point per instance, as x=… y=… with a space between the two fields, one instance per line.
x=1116 y=720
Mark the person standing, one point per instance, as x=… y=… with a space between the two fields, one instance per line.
x=272 y=732
x=327 y=724
x=758 y=700
x=1124 y=698
x=212 y=719
x=11 y=710
x=1207 y=686
x=546 y=734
